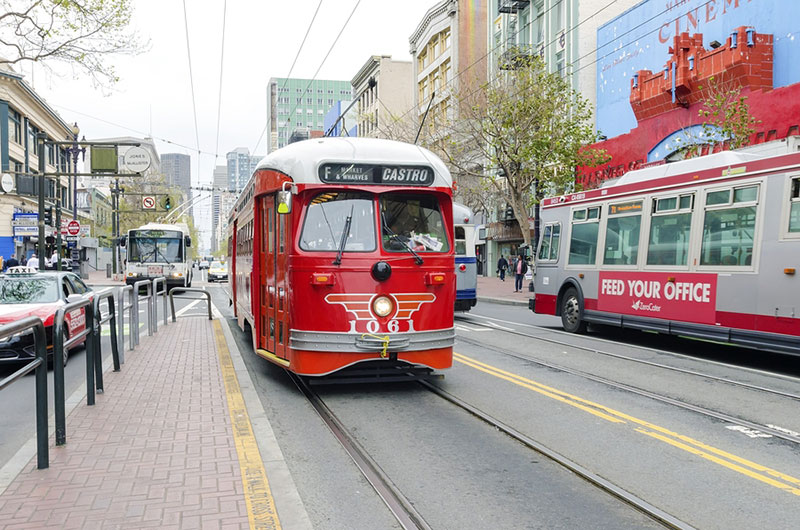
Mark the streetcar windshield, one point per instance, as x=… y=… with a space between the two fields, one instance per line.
x=326 y=219
x=155 y=246
x=412 y=222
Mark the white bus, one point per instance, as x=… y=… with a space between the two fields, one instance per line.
x=156 y=250
x=706 y=248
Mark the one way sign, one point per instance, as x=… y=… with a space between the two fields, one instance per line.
x=148 y=202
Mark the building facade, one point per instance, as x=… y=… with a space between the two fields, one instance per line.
x=383 y=89
x=220 y=187
x=240 y=167
x=299 y=104
x=347 y=126
x=25 y=118
x=177 y=171
x=653 y=65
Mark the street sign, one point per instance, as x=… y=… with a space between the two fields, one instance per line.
x=148 y=202
x=136 y=160
x=73 y=228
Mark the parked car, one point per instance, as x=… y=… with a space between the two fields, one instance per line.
x=218 y=272
x=27 y=292
x=203 y=265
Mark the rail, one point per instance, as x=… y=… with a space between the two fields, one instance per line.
x=149 y=286
x=121 y=307
x=99 y=320
x=163 y=293
x=60 y=346
x=40 y=365
x=188 y=290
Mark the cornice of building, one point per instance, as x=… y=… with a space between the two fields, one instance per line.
x=372 y=63
x=445 y=6
x=20 y=80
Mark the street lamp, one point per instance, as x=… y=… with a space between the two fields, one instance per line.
x=75 y=149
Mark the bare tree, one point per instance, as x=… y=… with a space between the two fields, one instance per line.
x=522 y=135
x=727 y=114
x=81 y=33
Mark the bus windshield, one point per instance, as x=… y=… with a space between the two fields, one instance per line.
x=414 y=222
x=155 y=246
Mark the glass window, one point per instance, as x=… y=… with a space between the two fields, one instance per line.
x=748 y=194
x=794 y=211
x=28 y=290
x=622 y=240
x=77 y=284
x=548 y=251
x=718 y=197
x=461 y=241
x=669 y=239
x=583 y=244
x=728 y=236
x=412 y=221
x=326 y=219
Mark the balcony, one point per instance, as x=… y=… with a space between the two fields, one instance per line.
x=503 y=231
x=515 y=57
x=512 y=6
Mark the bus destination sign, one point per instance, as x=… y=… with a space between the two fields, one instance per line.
x=376 y=174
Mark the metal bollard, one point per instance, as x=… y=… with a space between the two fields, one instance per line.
x=149 y=286
x=58 y=367
x=163 y=293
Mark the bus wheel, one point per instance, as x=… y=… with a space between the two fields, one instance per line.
x=571 y=311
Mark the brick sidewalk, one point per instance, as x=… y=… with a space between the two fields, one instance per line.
x=156 y=451
x=494 y=290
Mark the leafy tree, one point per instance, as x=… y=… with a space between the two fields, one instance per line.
x=81 y=33
x=522 y=135
x=727 y=114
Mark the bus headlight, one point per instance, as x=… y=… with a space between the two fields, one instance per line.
x=177 y=274
x=382 y=306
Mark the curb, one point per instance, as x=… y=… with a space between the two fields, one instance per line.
x=503 y=301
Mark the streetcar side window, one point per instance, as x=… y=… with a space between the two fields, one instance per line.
x=461 y=241
x=583 y=239
x=794 y=210
x=551 y=237
x=729 y=227
x=669 y=231
x=622 y=233
x=326 y=219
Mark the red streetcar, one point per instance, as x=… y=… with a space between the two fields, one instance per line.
x=341 y=252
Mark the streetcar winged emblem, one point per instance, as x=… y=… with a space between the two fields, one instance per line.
x=360 y=305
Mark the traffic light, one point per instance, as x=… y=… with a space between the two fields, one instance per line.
x=167 y=203
x=48 y=216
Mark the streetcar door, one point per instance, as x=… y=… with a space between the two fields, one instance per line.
x=282 y=284
x=268 y=324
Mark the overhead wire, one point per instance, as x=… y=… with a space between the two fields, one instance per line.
x=291 y=69
x=221 y=64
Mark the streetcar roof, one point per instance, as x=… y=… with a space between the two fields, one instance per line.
x=301 y=160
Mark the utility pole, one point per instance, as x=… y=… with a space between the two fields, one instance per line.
x=41 y=244
x=115 y=223
x=58 y=233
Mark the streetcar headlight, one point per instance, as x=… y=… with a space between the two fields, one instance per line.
x=383 y=306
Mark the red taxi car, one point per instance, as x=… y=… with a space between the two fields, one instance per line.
x=27 y=292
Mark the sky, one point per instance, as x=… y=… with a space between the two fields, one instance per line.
x=262 y=37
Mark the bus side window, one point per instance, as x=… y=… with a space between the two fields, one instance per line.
x=548 y=250
x=461 y=241
x=729 y=227
x=794 y=208
x=670 y=226
x=622 y=234
x=583 y=239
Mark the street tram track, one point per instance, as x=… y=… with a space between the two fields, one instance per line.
x=625 y=496
x=777 y=433
x=401 y=508
x=719 y=379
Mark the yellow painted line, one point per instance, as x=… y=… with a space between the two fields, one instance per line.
x=701 y=449
x=258 y=496
x=721 y=462
x=535 y=387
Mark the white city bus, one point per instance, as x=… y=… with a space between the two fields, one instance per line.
x=155 y=250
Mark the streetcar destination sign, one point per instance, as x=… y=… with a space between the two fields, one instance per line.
x=376 y=174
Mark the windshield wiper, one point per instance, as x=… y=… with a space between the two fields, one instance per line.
x=345 y=235
x=395 y=237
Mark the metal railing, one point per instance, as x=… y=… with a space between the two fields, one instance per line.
x=121 y=307
x=149 y=286
x=188 y=290
x=163 y=293
x=99 y=320
x=40 y=365
x=59 y=348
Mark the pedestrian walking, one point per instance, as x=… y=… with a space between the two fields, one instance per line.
x=10 y=262
x=502 y=265
x=33 y=262
x=23 y=260
x=520 y=268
